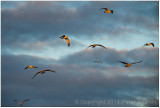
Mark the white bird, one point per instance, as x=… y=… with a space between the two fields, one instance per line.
x=98 y=61
x=128 y=64
x=107 y=11
x=148 y=44
x=30 y=67
x=21 y=103
x=94 y=45
x=66 y=38
x=42 y=72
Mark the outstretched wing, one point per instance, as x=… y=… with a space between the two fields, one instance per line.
x=26 y=67
x=87 y=47
x=68 y=41
x=152 y=44
x=123 y=62
x=35 y=74
x=17 y=101
x=137 y=62
x=105 y=9
x=62 y=36
x=25 y=101
x=101 y=46
x=49 y=70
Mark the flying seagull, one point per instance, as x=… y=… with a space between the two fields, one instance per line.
x=30 y=67
x=128 y=64
x=107 y=11
x=21 y=103
x=42 y=72
x=94 y=45
x=148 y=44
x=98 y=61
x=66 y=38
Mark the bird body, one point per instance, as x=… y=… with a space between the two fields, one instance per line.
x=66 y=38
x=107 y=11
x=129 y=64
x=148 y=44
x=94 y=45
x=42 y=72
x=30 y=67
x=98 y=61
x=21 y=103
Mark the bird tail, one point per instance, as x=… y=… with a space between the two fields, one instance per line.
x=111 y=11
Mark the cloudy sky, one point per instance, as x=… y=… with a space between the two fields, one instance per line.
x=30 y=36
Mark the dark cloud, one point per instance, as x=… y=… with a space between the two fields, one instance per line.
x=38 y=20
x=36 y=27
x=110 y=56
x=77 y=81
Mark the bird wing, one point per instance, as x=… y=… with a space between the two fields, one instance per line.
x=87 y=47
x=152 y=44
x=26 y=67
x=49 y=70
x=25 y=101
x=101 y=46
x=68 y=41
x=105 y=9
x=123 y=62
x=17 y=101
x=35 y=67
x=137 y=62
x=35 y=74
x=62 y=36
x=90 y=46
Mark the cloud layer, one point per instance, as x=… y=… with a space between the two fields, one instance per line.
x=81 y=79
x=30 y=36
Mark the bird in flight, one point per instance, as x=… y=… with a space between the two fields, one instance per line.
x=98 y=61
x=66 y=38
x=129 y=64
x=107 y=11
x=42 y=72
x=21 y=103
x=94 y=45
x=30 y=67
x=148 y=44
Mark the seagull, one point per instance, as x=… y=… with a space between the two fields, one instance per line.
x=42 y=72
x=21 y=103
x=66 y=38
x=107 y=11
x=98 y=61
x=148 y=44
x=94 y=45
x=128 y=64
x=30 y=67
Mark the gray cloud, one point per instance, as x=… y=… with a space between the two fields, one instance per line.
x=78 y=81
x=37 y=26
x=51 y=19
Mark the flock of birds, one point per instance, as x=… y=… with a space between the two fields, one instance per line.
x=92 y=46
